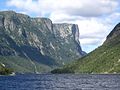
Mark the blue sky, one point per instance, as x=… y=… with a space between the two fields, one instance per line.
x=95 y=18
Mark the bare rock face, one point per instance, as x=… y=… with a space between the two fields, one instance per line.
x=38 y=39
x=67 y=35
x=114 y=35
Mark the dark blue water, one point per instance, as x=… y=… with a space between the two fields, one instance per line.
x=60 y=82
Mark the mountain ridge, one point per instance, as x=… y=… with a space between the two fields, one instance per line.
x=37 y=40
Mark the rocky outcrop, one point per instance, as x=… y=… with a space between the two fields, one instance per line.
x=38 y=39
x=114 y=35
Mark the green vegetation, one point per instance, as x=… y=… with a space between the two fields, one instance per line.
x=105 y=59
x=22 y=65
x=4 y=70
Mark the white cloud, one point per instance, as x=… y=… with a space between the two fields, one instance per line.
x=94 y=17
x=25 y=5
x=113 y=17
x=93 y=31
x=88 y=8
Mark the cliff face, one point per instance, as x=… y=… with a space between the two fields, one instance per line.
x=38 y=39
x=103 y=60
x=113 y=37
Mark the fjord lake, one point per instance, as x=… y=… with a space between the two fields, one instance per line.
x=60 y=82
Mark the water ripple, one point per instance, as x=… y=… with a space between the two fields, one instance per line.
x=60 y=82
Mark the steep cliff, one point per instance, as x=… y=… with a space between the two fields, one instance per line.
x=37 y=41
x=104 y=59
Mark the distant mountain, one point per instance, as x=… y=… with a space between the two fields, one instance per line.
x=36 y=44
x=104 y=59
